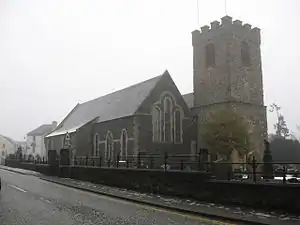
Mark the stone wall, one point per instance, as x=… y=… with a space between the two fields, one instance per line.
x=281 y=197
x=143 y=120
x=85 y=136
x=252 y=115
x=44 y=169
x=191 y=185
x=175 y=183
x=228 y=78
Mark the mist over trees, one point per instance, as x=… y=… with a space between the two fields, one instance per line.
x=285 y=146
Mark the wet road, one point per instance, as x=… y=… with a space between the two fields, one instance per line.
x=26 y=199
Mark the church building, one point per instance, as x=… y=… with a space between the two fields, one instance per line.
x=152 y=117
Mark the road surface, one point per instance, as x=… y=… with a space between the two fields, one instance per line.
x=26 y=199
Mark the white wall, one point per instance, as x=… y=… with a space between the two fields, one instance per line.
x=6 y=148
x=39 y=146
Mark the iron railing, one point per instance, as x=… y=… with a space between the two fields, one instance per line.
x=251 y=171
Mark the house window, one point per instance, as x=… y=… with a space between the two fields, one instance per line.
x=178 y=126
x=3 y=153
x=167 y=120
x=124 y=139
x=245 y=54
x=210 y=55
x=96 y=145
x=156 y=124
x=3 y=145
x=109 y=144
x=33 y=138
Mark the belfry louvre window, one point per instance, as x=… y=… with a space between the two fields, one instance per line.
x=245 y=54
x=210 y=55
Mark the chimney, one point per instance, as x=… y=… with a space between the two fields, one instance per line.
x=54 y=125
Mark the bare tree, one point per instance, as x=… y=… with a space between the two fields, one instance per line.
x=280 y=127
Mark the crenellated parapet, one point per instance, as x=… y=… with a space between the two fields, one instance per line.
x=227 y=24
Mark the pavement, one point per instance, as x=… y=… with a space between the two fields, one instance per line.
x=32 y=196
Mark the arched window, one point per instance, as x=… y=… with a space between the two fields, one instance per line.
x=96 y=145
x=156 y=122
x=210 y=55
x=177 y=126
x=167 y=119
x=109 y=146
x=245 y=54
x=124 y=139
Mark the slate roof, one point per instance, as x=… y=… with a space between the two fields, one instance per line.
x=41 y=130
x=115 y=105
x=189 y=99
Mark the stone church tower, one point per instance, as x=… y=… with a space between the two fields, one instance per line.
x=228 y=73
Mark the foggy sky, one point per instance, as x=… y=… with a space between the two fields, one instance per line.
x=56 y=53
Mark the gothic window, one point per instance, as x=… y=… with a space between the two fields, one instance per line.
x=124 y=139
x=245 y=54
x=210 y=55
x=96 y=145
x=167 y=120
x=177 y=126
x=109 y=146
x=156 y=124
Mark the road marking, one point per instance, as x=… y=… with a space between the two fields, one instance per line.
x=17 y=188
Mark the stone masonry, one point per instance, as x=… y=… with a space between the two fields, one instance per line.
x=229 y=82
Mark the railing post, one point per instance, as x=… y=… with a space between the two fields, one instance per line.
x=127 y=163
x=199 y=159
x=108 y=162
x=100 y=161
x=138 y=160
x=181 y=164
x=284 y=174
x=165 y=160
x=118 y=159
x=254 y=169
x=75 y=160
x=86 y=160
x=151 y=162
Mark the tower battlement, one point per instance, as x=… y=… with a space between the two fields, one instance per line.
x=226 y=23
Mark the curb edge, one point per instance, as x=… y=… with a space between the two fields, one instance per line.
x=166 y=207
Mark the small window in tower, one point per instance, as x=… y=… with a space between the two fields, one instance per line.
x=210 y=55
x=245 y=54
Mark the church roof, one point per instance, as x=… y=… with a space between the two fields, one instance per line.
x=189 y=99
x=115 y=105
x=41 y=130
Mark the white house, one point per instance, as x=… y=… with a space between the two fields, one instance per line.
x=35 y=140
x=7 y=146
